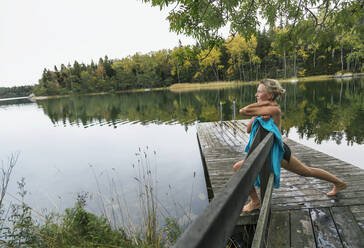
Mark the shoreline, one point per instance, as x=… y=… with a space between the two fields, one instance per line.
x=98 y=93
x=184 y=87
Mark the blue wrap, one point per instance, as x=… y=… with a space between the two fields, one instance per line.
x=277 y=149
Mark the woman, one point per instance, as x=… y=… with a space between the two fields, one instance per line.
x=269 y=91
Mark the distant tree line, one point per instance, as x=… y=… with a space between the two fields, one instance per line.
x=289 y=49
x=17 y=91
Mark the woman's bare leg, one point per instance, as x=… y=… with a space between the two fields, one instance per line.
x=254 y=201
x=299 y=168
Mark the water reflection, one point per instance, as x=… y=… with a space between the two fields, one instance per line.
x=59 y=161
x=320 y=110
x=326 y=110
x=67 y=144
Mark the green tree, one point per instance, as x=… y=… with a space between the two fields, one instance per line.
x=210 y=59
x=236 y=47
x=204 y=19
x=180 y=59
x=281 y=45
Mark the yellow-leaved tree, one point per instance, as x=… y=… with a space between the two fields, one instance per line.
x=210 y=59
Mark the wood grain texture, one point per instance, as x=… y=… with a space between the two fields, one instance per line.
x=279 y=230
x=301 y=200
x=350 y=232
x=301 y=229
x=324 y=228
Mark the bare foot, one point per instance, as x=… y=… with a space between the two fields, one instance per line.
x=251 y=206
x=337 y=188
x=237 y=165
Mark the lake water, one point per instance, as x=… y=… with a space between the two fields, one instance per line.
x=102 y=144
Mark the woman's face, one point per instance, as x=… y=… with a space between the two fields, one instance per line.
x=262 y=94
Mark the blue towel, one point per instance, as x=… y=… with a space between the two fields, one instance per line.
x=277 y=149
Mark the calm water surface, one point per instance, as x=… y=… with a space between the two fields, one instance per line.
x=99 y=144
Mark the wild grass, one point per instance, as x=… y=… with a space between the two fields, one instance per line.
x=155 y=221
x=5 y=174
x=307 y=79
x=182 y=87
x=99 y=93
x=77 y=227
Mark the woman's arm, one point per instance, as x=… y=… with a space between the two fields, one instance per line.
x=249 y=127
x=261 y=108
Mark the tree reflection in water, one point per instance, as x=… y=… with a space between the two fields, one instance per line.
x=321 y=110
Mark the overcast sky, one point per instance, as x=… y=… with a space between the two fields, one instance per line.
x=38 y=34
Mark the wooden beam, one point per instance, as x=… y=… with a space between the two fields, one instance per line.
x=260 y=231
x=324 y=228
x=214 y=226
x=301 y=229
x=278 y=232
x=347 y=227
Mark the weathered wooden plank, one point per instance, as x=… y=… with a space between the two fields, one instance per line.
x=209 y=189
x=216 y=223
x=322 y=186
x=215 y=140
x=347 y=179
x=357 y=209
x=238 y=127
x=301 y=229
x=259 y=236
x=205 y=138
x=279 y=230
x=315 y=204
x=223 y=144
x=324 y=228
x=238 y=133
x=226 y=137
x=358 y=213
x=350 y=233
x=296 y=191
x=221 y=136
x=250 y=218
x=229 y=132
x=345 y=171
x=318 y=197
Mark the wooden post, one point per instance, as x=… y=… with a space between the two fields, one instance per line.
x=260 y=231
x=234 y=110
x=220 y=113
x=264 y=174
x=214 y=225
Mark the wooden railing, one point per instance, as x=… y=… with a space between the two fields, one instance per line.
x=215 y=225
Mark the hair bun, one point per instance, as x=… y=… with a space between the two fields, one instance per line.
x=273 y=86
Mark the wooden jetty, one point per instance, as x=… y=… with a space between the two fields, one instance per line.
x=302 y=214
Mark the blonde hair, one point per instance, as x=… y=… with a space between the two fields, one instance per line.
x=274 y=87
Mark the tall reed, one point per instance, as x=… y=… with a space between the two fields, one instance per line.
x=77 y=227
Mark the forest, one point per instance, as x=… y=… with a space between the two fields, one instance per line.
x=281 y=51
x=16 y=91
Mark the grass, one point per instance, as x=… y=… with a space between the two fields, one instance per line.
x=204 y=86
x=182 y=87
x=307 y=79
x=77 y=227
x=5 y=175
x=99 y=93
